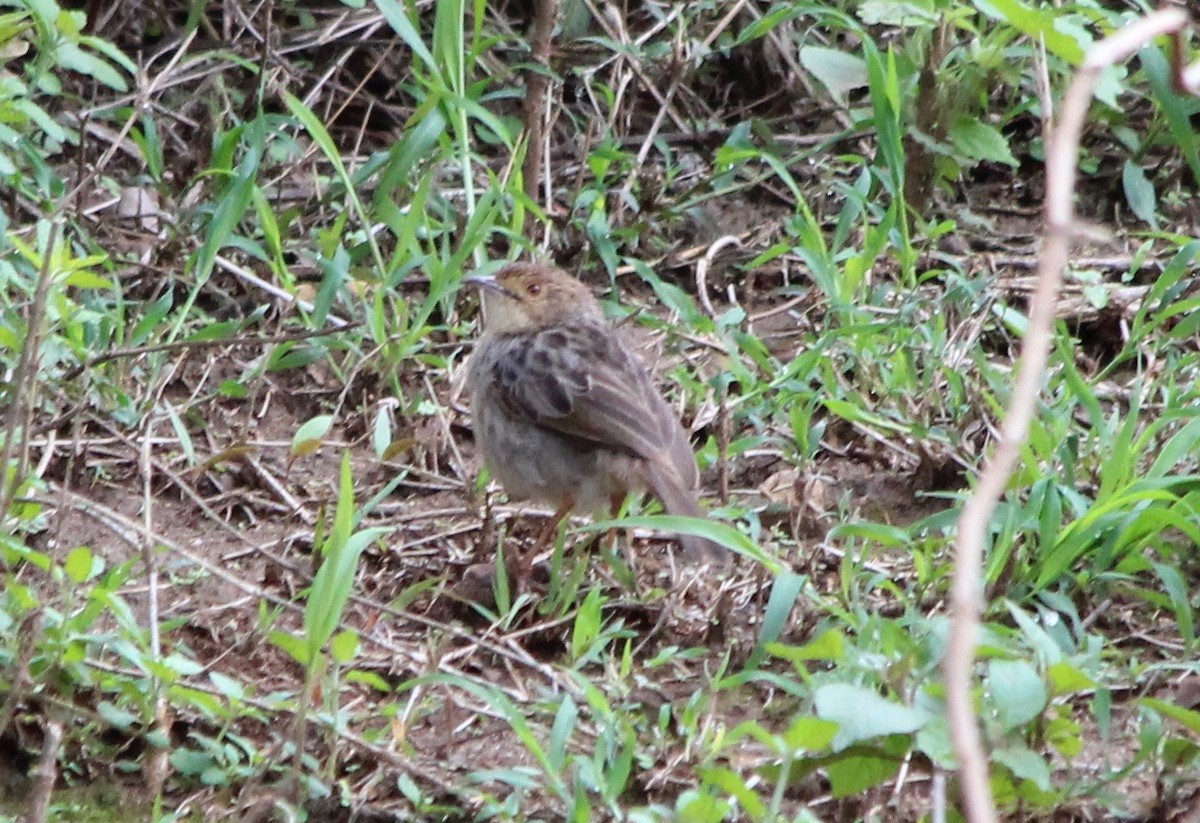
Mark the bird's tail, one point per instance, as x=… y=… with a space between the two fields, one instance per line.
x=678 y=500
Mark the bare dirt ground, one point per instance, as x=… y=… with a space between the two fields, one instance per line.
x=237 y=535
x=239 y=532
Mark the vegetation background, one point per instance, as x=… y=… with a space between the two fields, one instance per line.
x=246 y=539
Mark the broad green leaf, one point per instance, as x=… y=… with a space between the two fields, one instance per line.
x=1025 y=764
x=294 y=646
x=227 y=685
x=81 y=564
x=189 y=761
x=829 y=645
x=115 y=716
x=734 y=783
x=1067 y=679
x=698 y=806
x=864 y=714
x=810 y=734
x=981 y=141
x=214 y=331
x=344 y=646
x=863 y=768
x=1016 y=691
x=838 y=71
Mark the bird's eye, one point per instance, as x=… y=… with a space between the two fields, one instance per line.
x=533 y=289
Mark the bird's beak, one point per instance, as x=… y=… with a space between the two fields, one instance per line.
x=487 y=282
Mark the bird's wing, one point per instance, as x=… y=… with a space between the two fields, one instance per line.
x=583 y=383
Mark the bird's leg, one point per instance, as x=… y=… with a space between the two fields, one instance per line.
x=610 y=536
x=546 y=536
x=614 y=510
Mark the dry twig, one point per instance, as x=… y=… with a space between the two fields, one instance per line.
x=1061 y=229
x=537 y=83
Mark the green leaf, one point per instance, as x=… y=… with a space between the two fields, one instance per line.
x=785 y=591
x=397 y=18
x=114 y=716
x=1066 y=735
x=334 y=580
x=698 y=806
x=829 y=645
x=981 y=142
x=863 y=714
x=1066 y=679
x=1188 y=717
x=1177 y=591
x=88 y=280
x=587 y=624
x=838 y=71
x=854 y=413
x=81 y=564
x=1025 y=764
x=718 y=532
x=733 y=783
x=565 y=720
x=291 y=644
x=763 y=25
x=233 y=390
x=372 y=679
x=1181 y=447
x=72 y=57
x=153 y=314
x=309 y=437
x=1016 y=691
x=290 y=356
x=908 y=13
x=344 y=646
x=9 y=339
x=858 y=770
x=1139 y=193
x=810 y=734
x=1177 y=108
x=227 y=686
x=1037 y=637
x=190 y=762
x=214 y=331
x=933 y=740
x=381 y=432
x=1036 y=23
x=215 y=776
x=207 y=704
x=181 y=665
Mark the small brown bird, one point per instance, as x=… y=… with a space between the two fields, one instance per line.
x=565 y=413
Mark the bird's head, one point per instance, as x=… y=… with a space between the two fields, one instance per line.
x=524 y=296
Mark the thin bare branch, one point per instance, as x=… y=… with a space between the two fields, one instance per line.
x=966 y=589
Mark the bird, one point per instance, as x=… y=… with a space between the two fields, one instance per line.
x=564 y=411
